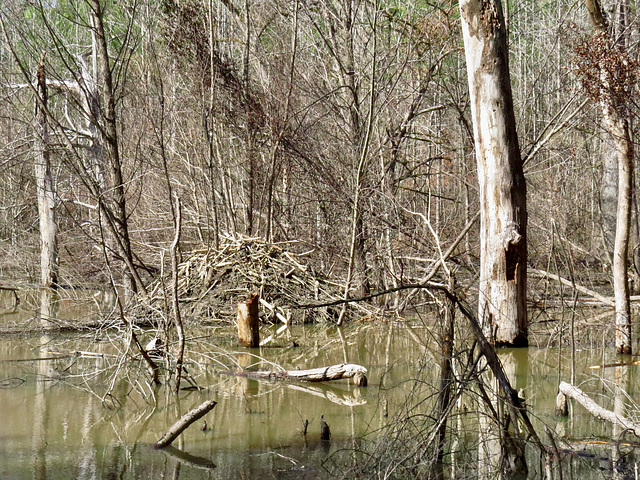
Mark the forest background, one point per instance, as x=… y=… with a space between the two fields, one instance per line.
x=343 y=127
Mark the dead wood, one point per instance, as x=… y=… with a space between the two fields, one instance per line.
x=596 y=410
x=248 y=322
x=211 y=280
x=184 y=422
x=600 y=298
x=322 y=374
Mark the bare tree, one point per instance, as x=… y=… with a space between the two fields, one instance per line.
x=609 y=83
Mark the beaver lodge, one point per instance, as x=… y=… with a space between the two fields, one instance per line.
x=211 y=282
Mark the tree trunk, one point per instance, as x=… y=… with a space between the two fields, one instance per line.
x=617 y=124
x=503 y=239
x=45 y=186
x=118 y=204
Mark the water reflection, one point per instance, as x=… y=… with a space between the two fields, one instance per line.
x=60 y=420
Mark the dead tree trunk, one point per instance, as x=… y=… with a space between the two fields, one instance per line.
x=44 y=185
x=248 y=322
x=503 y=232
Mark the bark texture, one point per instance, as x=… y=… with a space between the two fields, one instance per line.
x=248 y=322
x=503 y=230
x=45 y=186
x=616 y=122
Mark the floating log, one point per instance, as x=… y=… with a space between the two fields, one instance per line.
x=184 y=422
x=596 y=410
x=248 y=322
x=322 y=374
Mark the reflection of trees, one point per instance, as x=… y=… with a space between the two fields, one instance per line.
x=48 y=305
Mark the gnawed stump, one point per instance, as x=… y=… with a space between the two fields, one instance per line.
x=248 y=322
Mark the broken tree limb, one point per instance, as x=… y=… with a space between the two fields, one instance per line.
x=602 y=299
x=596 y=410
x=322 y=374
x=184 y=422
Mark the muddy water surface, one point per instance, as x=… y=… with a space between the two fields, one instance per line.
x=91 y=415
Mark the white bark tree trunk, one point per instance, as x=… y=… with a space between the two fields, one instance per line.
x=503 y=240
x=617 y=124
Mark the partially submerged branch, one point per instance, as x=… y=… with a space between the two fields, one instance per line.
x=596 y=410
x=184 y=422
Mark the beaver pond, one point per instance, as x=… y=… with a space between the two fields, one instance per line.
x=76 y=404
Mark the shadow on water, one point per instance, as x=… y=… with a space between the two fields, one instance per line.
x=91 y=415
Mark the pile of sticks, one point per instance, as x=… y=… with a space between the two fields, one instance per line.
x=213 y=281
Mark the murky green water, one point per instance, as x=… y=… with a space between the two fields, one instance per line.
x=67 y=416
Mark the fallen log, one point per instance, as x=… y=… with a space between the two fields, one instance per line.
x=184 y=422
x=600 y=298
x=322 y=374
x=596 y=410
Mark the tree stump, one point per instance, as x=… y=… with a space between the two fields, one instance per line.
x=248 y=322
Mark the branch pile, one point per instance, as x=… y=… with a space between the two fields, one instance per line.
x=212 y=282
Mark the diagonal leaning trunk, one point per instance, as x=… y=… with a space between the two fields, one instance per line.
x=503 y=215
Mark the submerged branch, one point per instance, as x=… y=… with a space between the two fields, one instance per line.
x=184 y=422
x=596 y=410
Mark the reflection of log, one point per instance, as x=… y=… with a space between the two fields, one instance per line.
x=248 y=326
x=596 y=410
x=322 y=374
x=334 y=396
x=184 y=422
x=188 y=459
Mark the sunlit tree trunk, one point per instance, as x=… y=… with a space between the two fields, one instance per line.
x=45 y=186
x=503 y=240
x=617 y=124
